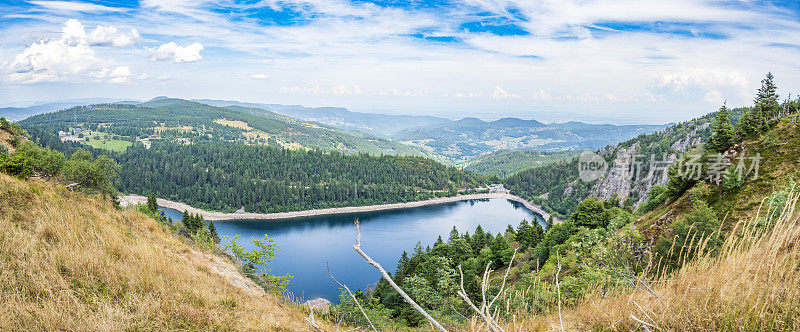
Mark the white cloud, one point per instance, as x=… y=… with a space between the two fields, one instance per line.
x=177 y=54
x=499 y=93
x=163 y=78
x=541 y=95
x=259 y=76
x=711 y=86
x=75 y=6
x=120 y=74
x=68 y=57
x=143 y=76
x=341 y=90
x=55 y=60
x=347 y=43
x=111 y=36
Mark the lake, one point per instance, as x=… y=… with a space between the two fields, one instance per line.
x=306 y=244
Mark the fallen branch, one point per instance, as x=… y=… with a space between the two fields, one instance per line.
x=357 y=248
x=351 y=295
x=311 y=320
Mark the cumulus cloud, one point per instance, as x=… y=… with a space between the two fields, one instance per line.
x=177 y=54
x=111 y=36
x=54 y=60
x=712 y=86
x=120 y=74
x=259 y=76
x=163 y=78
x=66 y=57
x=499 y=93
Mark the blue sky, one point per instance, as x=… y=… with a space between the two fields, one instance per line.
x=619 y=61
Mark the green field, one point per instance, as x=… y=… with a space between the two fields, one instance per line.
x=111 y=145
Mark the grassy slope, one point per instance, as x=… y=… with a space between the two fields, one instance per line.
x=69 y=262
x=754 y=284
x=780 y=156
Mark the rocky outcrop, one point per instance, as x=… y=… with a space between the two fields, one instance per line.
x=319 y=304
x=634 y=170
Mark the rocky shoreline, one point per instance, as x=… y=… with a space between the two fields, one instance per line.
x=220 y=216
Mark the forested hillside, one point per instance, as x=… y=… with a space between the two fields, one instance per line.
x=507 y=162
x=227 y=176
x=557 y=186
x=171 y=119
x=225 y=160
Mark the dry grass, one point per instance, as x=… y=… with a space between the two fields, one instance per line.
x=68 y=262
x=234 y=123
x=752 y=285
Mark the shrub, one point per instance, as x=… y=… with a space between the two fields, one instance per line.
x=696 y=234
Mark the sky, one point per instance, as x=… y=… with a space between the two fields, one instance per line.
x=611 y=61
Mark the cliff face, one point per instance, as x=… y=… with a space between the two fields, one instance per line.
x=638 y=166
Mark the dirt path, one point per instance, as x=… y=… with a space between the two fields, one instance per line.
x=208 y=215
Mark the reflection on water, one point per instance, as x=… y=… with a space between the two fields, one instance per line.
x=308 y=243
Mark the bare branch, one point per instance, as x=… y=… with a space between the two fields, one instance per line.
x=484 y=285
x=463 y=294
x=357 y=248
x=646 y=326
x=648 y=316
x=311 y=320
x=558 y=288
x=352 y=296
x=505 y=277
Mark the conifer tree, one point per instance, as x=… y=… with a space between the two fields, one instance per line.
x=722 y=132
x=212 y=229
x=767 y=98
x=151 y=203
x=453 y=234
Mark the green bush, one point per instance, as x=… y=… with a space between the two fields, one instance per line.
x=93 y=175
x=688 y=236
x=656 y=196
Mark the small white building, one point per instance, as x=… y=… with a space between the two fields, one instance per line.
x=498 y=188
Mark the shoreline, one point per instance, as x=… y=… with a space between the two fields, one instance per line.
x=220 y=216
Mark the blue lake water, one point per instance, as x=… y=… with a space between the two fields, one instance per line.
x=306 y=244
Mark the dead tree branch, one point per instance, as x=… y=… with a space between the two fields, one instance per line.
x=505 y=277
x=352 y=296
x=357 y=248
x=311 y=320
x=463 y=294
x=558 y=288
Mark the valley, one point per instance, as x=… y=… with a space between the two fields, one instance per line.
x=404 y=166
x=214 y=176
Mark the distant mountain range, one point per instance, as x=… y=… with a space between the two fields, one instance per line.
x=372 y=123
x=452 y=142
x=468 y=138
x=19 y=113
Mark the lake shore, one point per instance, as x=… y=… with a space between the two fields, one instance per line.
x=220 y=216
